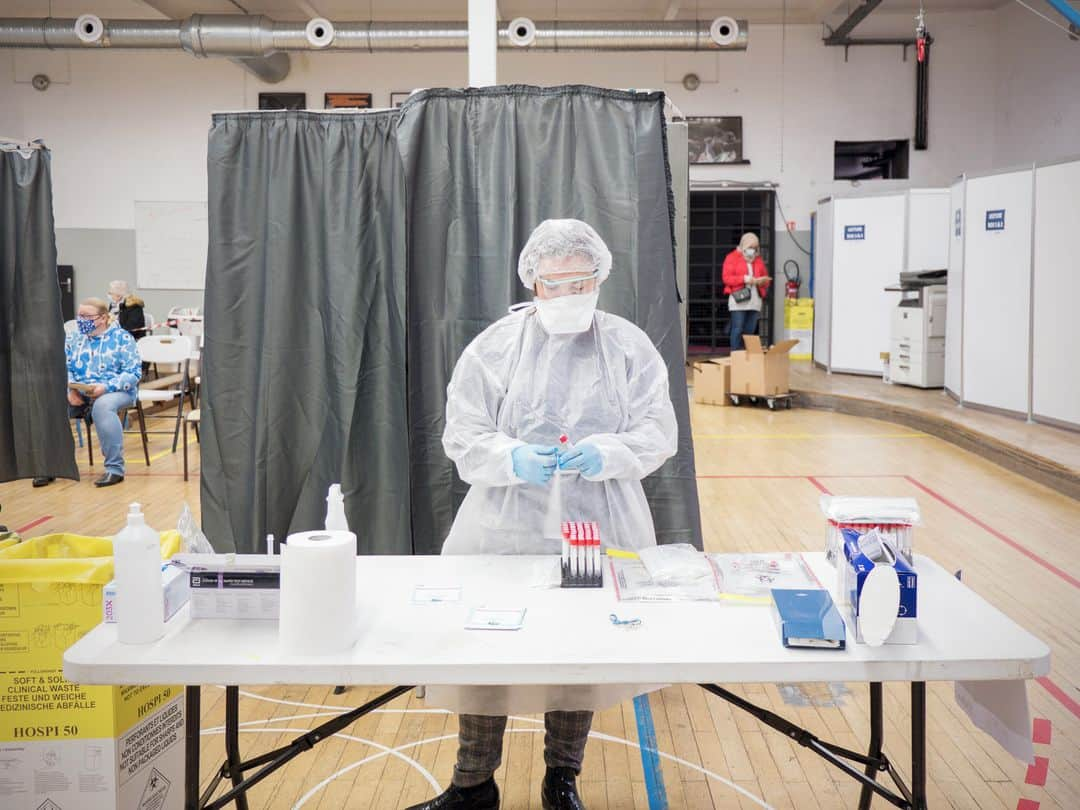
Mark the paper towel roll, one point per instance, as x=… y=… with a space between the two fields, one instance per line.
x=318 y=593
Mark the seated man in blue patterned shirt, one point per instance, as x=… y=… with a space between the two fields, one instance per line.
x=102 y=355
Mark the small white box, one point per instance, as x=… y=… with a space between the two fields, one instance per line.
x=174 y=582
x=236 y=594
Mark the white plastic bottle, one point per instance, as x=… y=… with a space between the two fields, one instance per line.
x=335 y=510
x=139 y=593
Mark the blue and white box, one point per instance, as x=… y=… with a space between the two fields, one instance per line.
x=858 y=566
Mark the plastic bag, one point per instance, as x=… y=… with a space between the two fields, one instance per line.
x=893 y=519
x=758 y=574
x=632 y=583
x=849 y=509
x=192 y=540
x=675 y=564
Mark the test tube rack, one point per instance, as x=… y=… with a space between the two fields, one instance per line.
x=582 y=562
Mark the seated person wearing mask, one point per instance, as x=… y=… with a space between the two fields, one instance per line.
x=555 y=365
x=746 y=283
x=102 y=355
x=127 y=309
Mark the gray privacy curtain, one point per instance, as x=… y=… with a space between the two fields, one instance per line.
x=483 y=167
x=304 y=371
x=35 y=435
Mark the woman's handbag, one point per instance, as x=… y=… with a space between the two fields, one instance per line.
x=742 y=295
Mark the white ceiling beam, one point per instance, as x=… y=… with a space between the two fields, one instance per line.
x=308 y=9
x=821 y=10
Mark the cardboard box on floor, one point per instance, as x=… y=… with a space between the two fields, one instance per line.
x=712 y=381
x=760 y=372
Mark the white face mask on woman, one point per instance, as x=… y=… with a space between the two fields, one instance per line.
x=749 y=254
x=568 y=314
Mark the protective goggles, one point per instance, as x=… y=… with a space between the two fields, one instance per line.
x=571 y=284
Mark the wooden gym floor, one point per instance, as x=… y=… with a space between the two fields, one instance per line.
x=760 y=476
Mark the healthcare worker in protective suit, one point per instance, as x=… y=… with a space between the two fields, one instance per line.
x=556 y=366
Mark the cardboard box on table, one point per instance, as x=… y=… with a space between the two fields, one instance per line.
x=760 y=372
x=65 y=746
x=712 y=382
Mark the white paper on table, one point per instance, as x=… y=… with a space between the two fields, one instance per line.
x=485 y=618
x=1000 y=708
x=436 y=593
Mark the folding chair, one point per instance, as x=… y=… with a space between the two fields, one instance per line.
x=164 y=349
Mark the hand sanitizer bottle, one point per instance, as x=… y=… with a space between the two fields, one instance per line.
x=335 y=510
x=140 y=596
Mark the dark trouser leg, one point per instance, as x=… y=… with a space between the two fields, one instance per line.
x=480 y=741
x=738 y=317
x=564 y=739
x=750 y=322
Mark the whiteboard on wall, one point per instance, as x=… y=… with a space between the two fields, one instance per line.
x=823 y=237
x=954 y=308
x=997 y=291
x=170 y=245
x=1056 y=372
x=868 y=255
x=928 y=229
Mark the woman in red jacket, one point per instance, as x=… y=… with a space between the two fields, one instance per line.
x=746 y=282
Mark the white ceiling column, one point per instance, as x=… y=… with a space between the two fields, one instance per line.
x=483 y=42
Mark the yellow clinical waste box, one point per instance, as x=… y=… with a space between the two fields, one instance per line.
x=65 y=746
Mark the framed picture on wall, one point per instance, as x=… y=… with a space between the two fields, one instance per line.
x=282 y=101
x=716 y=139
x=343 y=101
x=397 y=98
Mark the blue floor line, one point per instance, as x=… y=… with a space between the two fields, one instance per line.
x=650 y=759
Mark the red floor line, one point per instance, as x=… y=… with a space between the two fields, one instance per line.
x=32 y=524
x=1027 y=804
x=818 y=484
x=1049 y=566
x=1040 y=731
x=1036 y=774
x=1062 y=696
x=792 y=477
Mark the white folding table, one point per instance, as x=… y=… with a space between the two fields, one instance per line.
x=567 y=638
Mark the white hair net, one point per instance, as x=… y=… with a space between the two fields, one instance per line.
x=562 y=238
x=118 y=287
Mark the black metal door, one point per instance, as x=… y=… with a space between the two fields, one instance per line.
x=717 y=220
x=66 y=274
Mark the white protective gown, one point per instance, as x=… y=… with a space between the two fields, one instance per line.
x=515 y=384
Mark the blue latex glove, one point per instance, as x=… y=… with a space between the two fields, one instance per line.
x=585 y=458
x=534 y=463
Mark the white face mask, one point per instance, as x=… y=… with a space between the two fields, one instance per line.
x=568 y=314
x=750 y=253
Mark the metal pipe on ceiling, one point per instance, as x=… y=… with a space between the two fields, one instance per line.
x=260 y=36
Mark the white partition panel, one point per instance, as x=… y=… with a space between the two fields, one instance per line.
x=954 y=322
x=928 y=229
x=1056 y=371
x=868 y=254
x=823 y=262
x=997 y=290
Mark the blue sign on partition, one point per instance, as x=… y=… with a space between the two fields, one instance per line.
x=854 y=232
x=957 y=225
x=995 y=220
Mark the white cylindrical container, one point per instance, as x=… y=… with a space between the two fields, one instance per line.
x=318 y=593
x=140 y=597
x=335 y=510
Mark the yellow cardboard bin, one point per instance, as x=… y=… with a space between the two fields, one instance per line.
x=799 y=326
x=65 y=746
